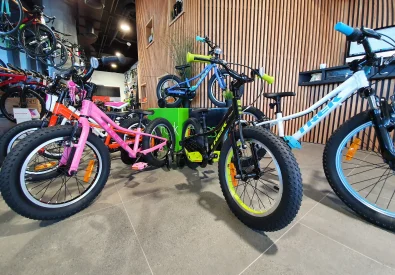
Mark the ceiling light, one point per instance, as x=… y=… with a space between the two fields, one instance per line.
x=118 y=54
x=125 y=27
x=113 y=65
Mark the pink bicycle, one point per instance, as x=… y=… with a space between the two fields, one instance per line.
x=68 y=184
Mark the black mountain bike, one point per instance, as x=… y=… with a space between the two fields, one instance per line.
x=258 y=173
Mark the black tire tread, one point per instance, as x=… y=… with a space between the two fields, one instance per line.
x=292 y=181
x=9 y=175
x=11 y=133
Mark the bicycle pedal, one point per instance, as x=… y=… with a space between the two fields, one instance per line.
x=139 y=166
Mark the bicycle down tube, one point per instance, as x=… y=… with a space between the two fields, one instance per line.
x=202 y=76
x=90 y=110
x=339 y=95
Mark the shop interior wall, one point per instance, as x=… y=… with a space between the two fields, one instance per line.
x=286 y=37
x=110 y=79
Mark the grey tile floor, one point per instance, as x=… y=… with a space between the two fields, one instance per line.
x=177 y=222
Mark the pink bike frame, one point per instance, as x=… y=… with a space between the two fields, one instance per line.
x=90 y=110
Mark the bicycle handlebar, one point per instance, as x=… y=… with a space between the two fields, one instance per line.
x=360 y=36
x=200 y=39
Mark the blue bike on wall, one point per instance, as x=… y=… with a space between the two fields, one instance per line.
x=172 y=91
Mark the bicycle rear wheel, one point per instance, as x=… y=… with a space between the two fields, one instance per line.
x=162 y=128
x=55 y=194
x=161 y=89
x=357 y=173
x=11 y=16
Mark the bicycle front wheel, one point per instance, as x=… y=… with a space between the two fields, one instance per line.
x=271 y=200
x=54 y=194
x=357 y=172
x=15 y=98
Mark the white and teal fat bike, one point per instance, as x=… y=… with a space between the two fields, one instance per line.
x=359 y=158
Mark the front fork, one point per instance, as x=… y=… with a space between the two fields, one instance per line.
x=78 y=147
x=381 y=116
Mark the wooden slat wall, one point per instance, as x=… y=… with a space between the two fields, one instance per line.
x=286 y=37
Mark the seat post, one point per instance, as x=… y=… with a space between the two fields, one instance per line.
x=278 y=111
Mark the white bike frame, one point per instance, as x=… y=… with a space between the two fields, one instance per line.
x=339 y=95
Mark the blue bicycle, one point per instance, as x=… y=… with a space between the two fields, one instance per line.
x=172 y=91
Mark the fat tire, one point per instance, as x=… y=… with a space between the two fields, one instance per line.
x=292 y=182
x=10 y=185
x=329 y=164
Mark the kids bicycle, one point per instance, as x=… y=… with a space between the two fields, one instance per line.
x=80 y=174
x=359 y=158
x=60 y=114
x=258 y=173
x=172 y=91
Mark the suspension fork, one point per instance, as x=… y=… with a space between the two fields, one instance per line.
x=378 y=115
x=83 y=123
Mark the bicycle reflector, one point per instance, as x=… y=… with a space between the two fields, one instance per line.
x=353 y=149
x=45 y=165
x=88 y=171
x=232 y=170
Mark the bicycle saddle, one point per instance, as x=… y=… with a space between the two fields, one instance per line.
x=143 y=112
x=274 y=95
x=115 y=115
x=182 y=67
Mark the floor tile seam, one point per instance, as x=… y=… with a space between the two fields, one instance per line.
x=276 y=241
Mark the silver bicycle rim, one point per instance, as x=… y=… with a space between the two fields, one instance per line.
x=34 y=200
x=211 y=90
x=346 y=184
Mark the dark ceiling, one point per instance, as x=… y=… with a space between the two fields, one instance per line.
x=98 y=29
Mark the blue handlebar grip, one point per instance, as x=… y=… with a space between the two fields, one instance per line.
x=200 y=39
x=344 y=28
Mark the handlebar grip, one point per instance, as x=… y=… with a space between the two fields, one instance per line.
x=200 y=39
x=269 y=79
x=344 y=28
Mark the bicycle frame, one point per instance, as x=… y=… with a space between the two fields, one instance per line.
x=90 y=110
x=339 y=95
x=174 y=89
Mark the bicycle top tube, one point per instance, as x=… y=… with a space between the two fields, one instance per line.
x=338 y=95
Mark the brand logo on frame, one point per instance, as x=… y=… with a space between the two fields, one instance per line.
x=320 y=114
